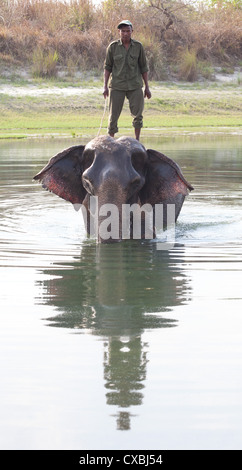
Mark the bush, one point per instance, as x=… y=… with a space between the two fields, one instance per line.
x=44 y=63
x=188 y=65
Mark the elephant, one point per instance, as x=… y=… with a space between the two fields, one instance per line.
x=108 y=175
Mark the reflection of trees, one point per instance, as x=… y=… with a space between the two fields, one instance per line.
x=117 y=292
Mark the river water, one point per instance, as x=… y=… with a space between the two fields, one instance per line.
x=122 y=346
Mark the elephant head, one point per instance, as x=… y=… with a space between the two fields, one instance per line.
x=109 y=175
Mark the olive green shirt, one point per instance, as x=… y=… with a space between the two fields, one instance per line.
x=126 y=66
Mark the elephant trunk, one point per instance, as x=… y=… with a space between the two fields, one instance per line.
x=109 y=190
x=109 y=220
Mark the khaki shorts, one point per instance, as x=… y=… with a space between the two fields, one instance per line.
x=116 y=102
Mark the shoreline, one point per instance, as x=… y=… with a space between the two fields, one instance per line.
x=172 y=131
x=57 y=109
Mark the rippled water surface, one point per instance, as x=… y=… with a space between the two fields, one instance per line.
x=122 y=346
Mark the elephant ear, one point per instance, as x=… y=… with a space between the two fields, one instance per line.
x=164 y=183
x=63 y=175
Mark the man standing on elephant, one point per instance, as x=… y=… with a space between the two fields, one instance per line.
x=126 y=67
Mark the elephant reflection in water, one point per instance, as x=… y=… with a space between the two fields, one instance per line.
x=118 y=292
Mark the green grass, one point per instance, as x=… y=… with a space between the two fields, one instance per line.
x=75 y=125
x=172 y=106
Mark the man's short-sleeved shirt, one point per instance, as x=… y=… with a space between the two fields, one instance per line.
x=126 y=66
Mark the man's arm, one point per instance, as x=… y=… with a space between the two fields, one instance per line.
x=144 y=71
x=105 y=86
x=147 y=92
x=108 y=65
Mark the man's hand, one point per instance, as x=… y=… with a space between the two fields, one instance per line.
x=105 y=92
x=147 y=93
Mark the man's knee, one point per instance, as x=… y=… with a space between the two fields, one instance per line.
x=138 y=122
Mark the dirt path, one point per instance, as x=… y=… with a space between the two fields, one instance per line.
x=33 y=90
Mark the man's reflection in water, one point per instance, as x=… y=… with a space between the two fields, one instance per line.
x=118 y=292
x=125 y=361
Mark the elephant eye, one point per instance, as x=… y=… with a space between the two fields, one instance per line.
x=135 y=183
x=87 y=185
x=138 y=162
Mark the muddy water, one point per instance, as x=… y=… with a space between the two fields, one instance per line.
x=125 y=346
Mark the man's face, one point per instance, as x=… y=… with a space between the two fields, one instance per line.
x=125 y=33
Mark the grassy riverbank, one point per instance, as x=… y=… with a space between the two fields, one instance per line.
x=50 y=51
x=57 y=108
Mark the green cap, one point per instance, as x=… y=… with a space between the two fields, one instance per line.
x=125 y=23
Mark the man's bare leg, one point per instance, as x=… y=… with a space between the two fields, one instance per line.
x=137 y=133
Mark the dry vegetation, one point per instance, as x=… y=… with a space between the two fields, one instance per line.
x=180 y=40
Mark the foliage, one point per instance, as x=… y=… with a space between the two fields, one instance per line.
x=181 y=37
x=188 y=69
x=224 y=3
x=44 y=63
